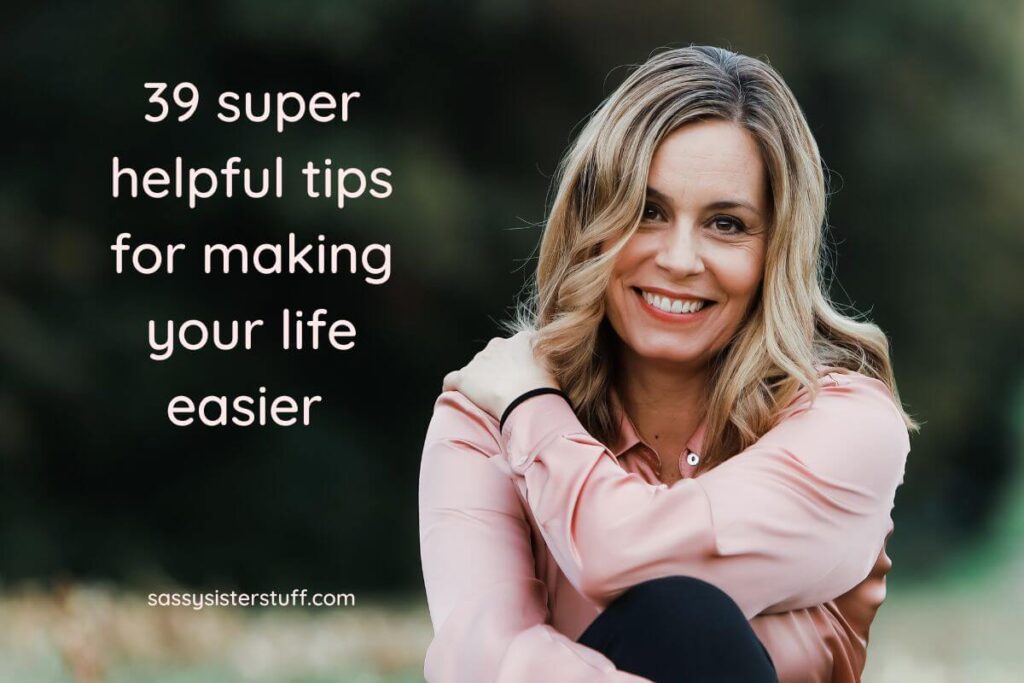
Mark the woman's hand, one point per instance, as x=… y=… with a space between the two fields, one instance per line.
x=503 y=370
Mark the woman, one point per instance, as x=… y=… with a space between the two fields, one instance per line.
x=682 y=465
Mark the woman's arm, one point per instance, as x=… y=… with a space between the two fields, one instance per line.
x=796 y=520
x=487 y=606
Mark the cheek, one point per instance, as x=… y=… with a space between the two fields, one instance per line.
x=628 y=263
x=615 y=301
x=616 y=295
x=741 y=271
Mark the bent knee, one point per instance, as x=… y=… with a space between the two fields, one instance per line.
x=672 y=591
x=693 y=619
x=680 y=603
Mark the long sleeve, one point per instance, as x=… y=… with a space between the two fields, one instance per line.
x=795 y=520
x=487 y=606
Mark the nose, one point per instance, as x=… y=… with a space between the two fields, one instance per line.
x=680 y=253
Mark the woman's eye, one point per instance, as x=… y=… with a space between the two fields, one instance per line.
x=728 y=225
x=651 y=212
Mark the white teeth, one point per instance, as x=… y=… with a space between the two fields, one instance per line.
x=672 y=305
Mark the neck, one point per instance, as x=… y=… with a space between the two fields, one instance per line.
x=658 y=392
x=660 y=387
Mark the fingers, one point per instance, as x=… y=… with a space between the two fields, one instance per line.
x=528 y=338
x=451 y=381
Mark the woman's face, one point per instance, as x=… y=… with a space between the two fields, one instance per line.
x=686 y=280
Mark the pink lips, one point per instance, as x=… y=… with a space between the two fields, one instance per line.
x=670 y=317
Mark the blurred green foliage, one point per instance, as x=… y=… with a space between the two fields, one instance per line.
x=916 y=106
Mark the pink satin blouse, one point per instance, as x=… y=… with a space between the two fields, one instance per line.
x=527 y=533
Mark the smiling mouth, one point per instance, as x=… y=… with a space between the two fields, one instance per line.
x=671 y=306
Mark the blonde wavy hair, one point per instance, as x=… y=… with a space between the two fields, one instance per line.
x=601 y=183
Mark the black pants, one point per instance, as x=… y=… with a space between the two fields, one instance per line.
x=679 y=629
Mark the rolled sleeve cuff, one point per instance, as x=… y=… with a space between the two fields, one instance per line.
x=532 y=424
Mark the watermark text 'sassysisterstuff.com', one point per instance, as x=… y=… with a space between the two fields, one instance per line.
x=298 y=597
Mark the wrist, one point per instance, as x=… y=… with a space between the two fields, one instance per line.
x=525 y=396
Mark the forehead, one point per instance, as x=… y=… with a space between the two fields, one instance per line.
x=709 y=157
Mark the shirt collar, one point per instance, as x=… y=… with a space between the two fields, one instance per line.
x=627 y=436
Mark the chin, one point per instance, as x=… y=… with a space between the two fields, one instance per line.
x=673 y=352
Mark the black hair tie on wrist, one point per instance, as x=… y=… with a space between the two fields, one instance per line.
x=529 y=394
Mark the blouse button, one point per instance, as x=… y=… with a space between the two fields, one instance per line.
x=692 y=459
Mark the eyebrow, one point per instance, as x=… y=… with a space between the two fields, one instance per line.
x=721 y=204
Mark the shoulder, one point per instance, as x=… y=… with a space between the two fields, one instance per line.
x=456 y=418
x=852 y=421
x=850 y=393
